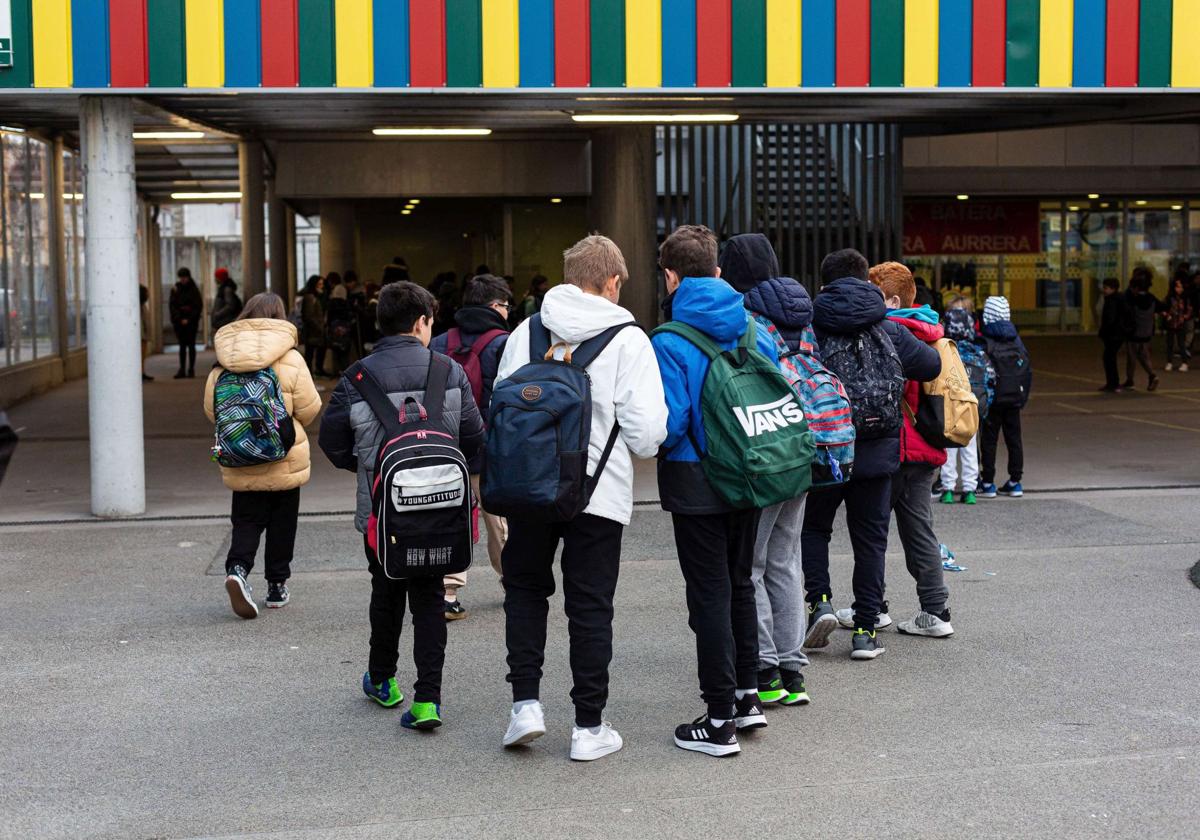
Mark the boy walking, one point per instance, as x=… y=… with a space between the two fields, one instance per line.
x=1014 y=377
x=350 y=437
x=1112 y=332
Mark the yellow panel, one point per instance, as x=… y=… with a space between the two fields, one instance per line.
x=354 y=43
x=52 y=43
x=921 y=43
x=783 y=43
x=643 y=43
x=1057 y=36
x=501 y=44
x=204 y=25
x=1185 y=44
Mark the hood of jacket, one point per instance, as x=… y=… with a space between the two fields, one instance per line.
x=917 y=322
x=848 y=306
x=228 y=283
x=254 y=344
x=1000 y=330
x=959 y=325
x=476 y=320
x=575 y=316
x=710 y=305
x=747 y=260
x=785 y=303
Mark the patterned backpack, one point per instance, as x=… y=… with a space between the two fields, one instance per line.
x=252 y=421
x=830 y=418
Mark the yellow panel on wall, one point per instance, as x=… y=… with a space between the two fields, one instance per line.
x=1185 y=44
x=354 y=43
x=783 y=43
x=643 y=43
x=204 y=25
x=920 y=43
x=501 y=44
x=1056 y=58
x=51 y=43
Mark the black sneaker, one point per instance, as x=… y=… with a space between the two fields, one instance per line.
x=455 y=611
x=701 y=736
x=821 y=623
x=241 y=594
x=866 y=646
x=770 y=686
x=277 y=595
x=797 y=693
x=749 y=713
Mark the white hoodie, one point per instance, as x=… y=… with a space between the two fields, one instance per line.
x=625 y=386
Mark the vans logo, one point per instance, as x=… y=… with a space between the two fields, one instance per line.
x=758 y=419
x=531 y=393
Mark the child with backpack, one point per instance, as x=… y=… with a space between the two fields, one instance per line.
x=477 y=343
x=577 y=397
x=959 y=323
x=1177 y=314
x=736 y=442
x=873 y=356
x=1141 y=311
x=405 y=421
x=260 y=396
x=1014 y=379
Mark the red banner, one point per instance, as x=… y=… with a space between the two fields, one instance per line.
x=972 y=227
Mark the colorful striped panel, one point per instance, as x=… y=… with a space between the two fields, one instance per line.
x=427 y=43
x=608 y=43
x=280 y=59
x=1121 y=43
x=1185 y=40
x=354 y=43
x=1023 y=27
x=242 y=44
x=128 y=62
x=464 y=43
x=679 y=43
x=818 y=43
x=536 y=22
x=749 y=43
x=1088 y=65
x=390 y=32
x=921 y=43
x=1154 y=47
x=714 y=22
x=643 y=44
x=988 y=59
x=783 y=43
x=572 y=43
x=89 y=43
x=20 y=75
x=1056 y=35
x=853 y=54
x=887 y=45
x=501 y=44
x=315 y=28
x=204 y=30
x=52 y=43
x=165 y=43
x=954 y=43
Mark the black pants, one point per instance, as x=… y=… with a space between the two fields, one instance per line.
x=1177 y=344
x=314 y=357
x=258 y=510
x=425 y=602
x=868 y=515
x=716 y=555
x=1138 y=353
x=186 y=336
x=1008 y=419
x=591 y=561
x=1112 y=347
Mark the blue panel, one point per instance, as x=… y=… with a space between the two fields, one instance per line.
x=89 y=42
x=243 y=44
x=1089 y=53
x=679 y=43
x=391 y=31
x=954 y=43
x=818 y=43
x=535 y=23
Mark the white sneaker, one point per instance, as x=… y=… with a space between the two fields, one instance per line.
x=1169 y=367
x=926 y=624
x=588 y=747
x=845 y=618
x=1183 y=368
x=524 y=726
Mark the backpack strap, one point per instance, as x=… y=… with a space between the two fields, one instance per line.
x=374 y=396
x=539 y=338
x=484 y=340
x=435 y=386
x=588 y=351
x=454 y=342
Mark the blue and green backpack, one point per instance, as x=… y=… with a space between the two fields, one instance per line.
x=252 y=422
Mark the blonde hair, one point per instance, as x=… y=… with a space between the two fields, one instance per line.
x=591 y=261
x=960 y=302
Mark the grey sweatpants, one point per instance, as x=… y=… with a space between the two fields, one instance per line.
x=914 y=520
x=779 y=586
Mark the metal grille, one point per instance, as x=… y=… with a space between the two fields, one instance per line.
x=811 y=188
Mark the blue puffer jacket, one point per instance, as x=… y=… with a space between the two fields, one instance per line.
x=786 y=304
x=716 y=309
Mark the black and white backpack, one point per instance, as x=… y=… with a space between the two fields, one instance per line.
x=870 y=369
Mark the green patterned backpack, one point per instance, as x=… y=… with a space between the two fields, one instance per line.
x=252 y=421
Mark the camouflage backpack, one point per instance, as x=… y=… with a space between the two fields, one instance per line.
x=252 y=421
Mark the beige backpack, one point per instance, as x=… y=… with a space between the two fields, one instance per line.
x=948 y=410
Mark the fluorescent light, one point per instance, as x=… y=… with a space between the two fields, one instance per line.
x=414 y=201
x=1074 y=208
x=12 y=129
x=1093 y=196
x=73 y=196
x=962 y=196
x=431 y=132
x=1176 y=206
x=37 y=196
x=654 y=118
x=168 y=135
x=556 y=201
x=1104 y=205
x=206 y=196
x=1141 y=202
x=405 y=212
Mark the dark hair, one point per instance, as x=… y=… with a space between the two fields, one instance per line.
x=351 y=276
x=183 y=271
x=333 y=279
x=538 y=281
x=1111 y=283
x=1142 y=279
x=264 y=305
x=401 y=305
x=690 y=251
x=482 y=269
x=484 y=290
x=310 y=288
x=844 y=263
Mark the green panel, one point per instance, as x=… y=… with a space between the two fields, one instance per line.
x=464 y=43
x=318 y=67
x=608 y=43
x=1154 y=49
x=749 y=43
x=166 y=44
x=887 y=43
x=20 y=75
x=1022 y=42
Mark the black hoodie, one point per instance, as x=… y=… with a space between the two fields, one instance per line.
x=748 y=264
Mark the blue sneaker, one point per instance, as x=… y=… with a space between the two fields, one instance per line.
x=1013 y=489
x=987 y=491
x=386 y=694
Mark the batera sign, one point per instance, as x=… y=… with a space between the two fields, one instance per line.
x=971 y=227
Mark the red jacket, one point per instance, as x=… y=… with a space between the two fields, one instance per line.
x=914 y=449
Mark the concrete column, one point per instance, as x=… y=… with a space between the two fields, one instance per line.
x=337 y=236
x=289 y=218
x=114 y=336
x=277 y=217
x=254 y=256
x=58 y=245
x=622 y=207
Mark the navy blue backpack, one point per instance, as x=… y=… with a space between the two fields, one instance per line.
x=540 y=422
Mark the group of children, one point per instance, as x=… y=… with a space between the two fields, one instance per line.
x=720 y=380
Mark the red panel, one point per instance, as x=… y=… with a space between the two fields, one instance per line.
x=572 y=43
x=280 y=54
x=853 y=51
x=1121 y=44
x=129 y=58
x=989 y=24
x=427 y=43
x=714 y=43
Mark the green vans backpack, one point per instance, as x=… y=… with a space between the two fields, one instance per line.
x=760 y=450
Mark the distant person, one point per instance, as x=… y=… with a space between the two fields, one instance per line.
x=395 y=272
x=147 y=328
x=1113 y=317
x=1014 y=378
x=312 y=334
x=227 y=306
x=959 y=322
x=339 y=328
x=259 y=349
x=367 y=328
x=8 y=444
x=186 y=307
x=445 y=289
x=1177 y=316
x=532 y=302
x=1141 y=311
x=927 y=296
x=1194 y=288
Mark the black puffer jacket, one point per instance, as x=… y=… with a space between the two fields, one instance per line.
x=748 y=263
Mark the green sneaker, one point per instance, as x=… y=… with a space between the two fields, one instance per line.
x=797 y=694
x=386 y=694
x=948 y=497
x=422 y=716
x=968 y=498
x=770 y=686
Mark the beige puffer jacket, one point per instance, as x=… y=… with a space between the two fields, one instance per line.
x=254 y=344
